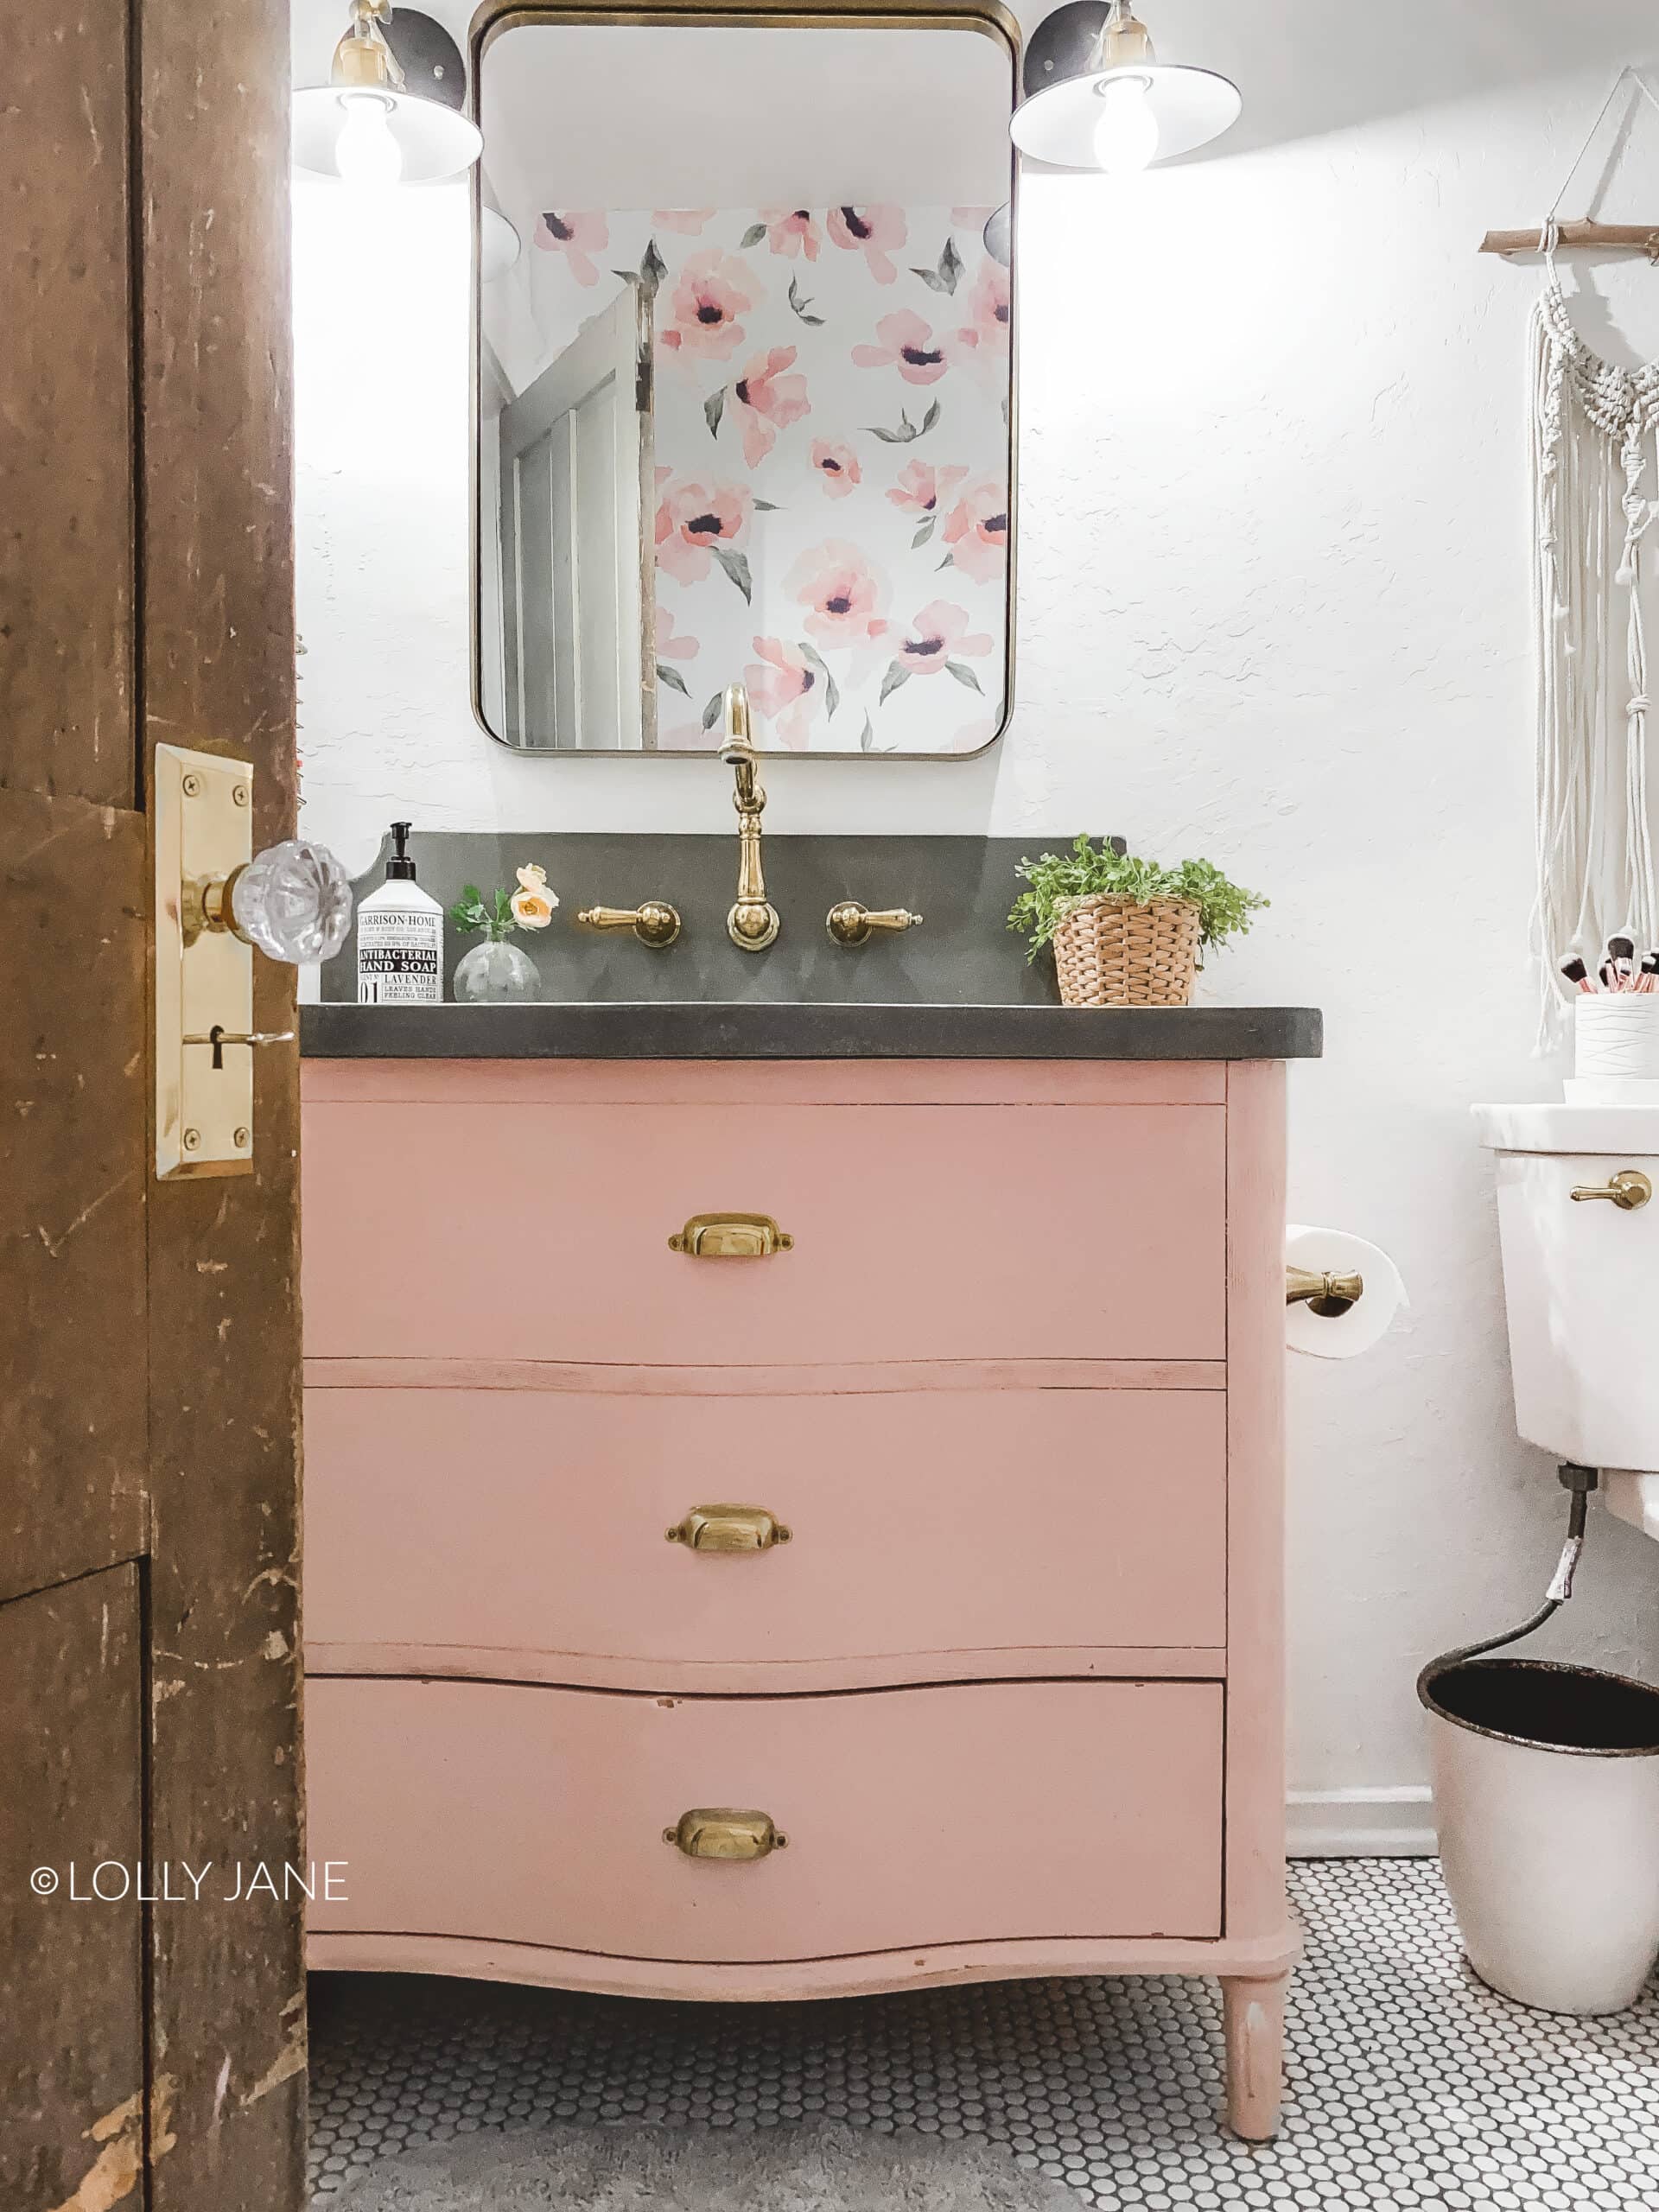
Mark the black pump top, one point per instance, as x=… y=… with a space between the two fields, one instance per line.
x=400 y=867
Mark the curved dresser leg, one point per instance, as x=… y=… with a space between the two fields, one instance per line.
x=1253 y=2025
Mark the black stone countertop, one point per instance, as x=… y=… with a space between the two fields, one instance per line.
x=760 y=1029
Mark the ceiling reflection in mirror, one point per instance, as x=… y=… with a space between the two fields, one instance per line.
x=745 y=397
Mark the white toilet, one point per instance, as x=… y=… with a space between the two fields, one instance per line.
x=1577 y=1206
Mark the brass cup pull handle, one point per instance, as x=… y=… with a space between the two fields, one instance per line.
x=730 y=1237
x=1328 y=1295
x=852 y=923
x=728 y=1528
x=654 y=922
x=723 y=1832
x=1628 y=1190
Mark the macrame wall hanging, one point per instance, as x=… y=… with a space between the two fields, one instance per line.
x=1595 y=492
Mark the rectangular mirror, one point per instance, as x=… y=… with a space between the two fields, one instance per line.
x=745 y=389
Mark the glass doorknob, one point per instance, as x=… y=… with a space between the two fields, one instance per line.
x=293 y=900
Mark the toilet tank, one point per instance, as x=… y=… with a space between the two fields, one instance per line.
x=1580 y=1278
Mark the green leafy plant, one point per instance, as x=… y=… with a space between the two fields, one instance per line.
x=493 y=921
x=1058 y=881
x=528 y=907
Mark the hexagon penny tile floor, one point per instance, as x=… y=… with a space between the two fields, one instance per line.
x=1409 y=2084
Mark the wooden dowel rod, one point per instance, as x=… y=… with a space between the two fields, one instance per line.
x=1615 y=238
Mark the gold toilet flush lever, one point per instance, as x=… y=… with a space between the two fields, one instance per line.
x=725 y=1832
x=728 y=1528
x=1628 y=1190
x=654 y=922
x=851 y=922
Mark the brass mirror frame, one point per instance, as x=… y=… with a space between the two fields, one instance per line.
x=989 y=19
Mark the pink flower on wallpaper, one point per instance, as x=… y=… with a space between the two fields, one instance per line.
x=844 y=592
x=877 y=232
x=689 y=221
x=986 y=328
x=977 y=530
x=769 y=398
x=838 y=466
x=577 y=238
x=907 y=345
x=921 y=486
x=779 y=686
x=791 y=232
x=708 y=306
x=692 y=520
x=939 y=634
x=670 y=644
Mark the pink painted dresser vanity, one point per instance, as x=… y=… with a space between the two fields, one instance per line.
x=898 y=1605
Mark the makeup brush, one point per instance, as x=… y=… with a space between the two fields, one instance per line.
x=1576 y=974
x=1621 y=953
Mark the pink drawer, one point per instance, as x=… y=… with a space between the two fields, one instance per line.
x=461 y=1528
x=540 y=1231
x=982 y=1810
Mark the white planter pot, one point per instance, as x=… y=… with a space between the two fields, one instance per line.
x=1546 y=1803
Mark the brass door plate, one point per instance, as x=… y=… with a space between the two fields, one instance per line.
x=202 y=810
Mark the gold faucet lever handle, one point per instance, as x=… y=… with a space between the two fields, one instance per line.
x=654 y=922
x=730 y=1237
x=1628 y=1190
x=1328 y=1295
x=723 y=1832
x=851 y=922
x=743 y=1528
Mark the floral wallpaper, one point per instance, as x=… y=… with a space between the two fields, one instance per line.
x=831 y=400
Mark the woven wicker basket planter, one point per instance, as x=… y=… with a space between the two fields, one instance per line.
x=1110 y=950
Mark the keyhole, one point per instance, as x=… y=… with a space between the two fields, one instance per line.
x=216 y=1038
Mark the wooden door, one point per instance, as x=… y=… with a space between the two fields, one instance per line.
x=152 y=2051
x=576 y=560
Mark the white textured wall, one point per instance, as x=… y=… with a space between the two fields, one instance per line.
x=1273 y=603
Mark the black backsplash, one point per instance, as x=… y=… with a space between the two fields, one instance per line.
x=962 y=955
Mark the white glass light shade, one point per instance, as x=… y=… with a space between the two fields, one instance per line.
x=432 y=140
x=1067 y=123
x=498 y=244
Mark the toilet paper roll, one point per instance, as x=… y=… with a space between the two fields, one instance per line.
x=1334 y=1251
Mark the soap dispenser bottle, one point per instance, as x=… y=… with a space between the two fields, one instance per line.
x=400 y=936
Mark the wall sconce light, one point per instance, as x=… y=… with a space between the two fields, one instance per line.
x=391 y=112
x=1099 y=98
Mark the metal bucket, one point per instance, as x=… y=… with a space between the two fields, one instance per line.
x=1547 y=1801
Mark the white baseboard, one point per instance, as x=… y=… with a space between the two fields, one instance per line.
x=1396 y=1823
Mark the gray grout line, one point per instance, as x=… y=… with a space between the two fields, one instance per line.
x=1409 y=2084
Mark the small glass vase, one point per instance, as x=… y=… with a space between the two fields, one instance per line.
x=496 y=973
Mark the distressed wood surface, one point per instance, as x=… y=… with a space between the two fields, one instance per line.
x=73 y=1171
x=762 y=1085
x=65 y=467
x=932 y=1816
x=934 y=1966
x=939 y=1523
x=71 y=2035
x=622 y=1379
x=1256 y=1906
x=149 y=1400
x=218 y=672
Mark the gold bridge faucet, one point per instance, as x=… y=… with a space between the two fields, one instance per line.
x=752 y=923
